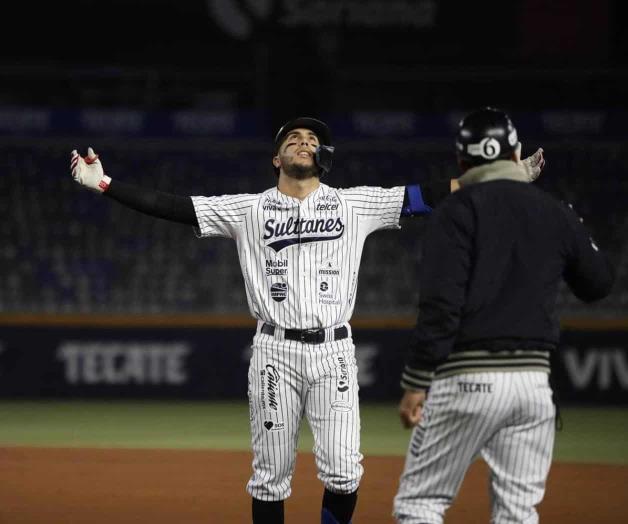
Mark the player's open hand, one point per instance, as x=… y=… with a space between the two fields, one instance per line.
x=533 y=164
x=411 y=408
x=88 y=171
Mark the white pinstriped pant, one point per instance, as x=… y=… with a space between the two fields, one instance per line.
x=511 y=427
x=290 y=379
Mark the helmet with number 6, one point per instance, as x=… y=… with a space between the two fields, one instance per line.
x=484 y=136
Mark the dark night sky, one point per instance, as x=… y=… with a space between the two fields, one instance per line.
x=165 y=32
x=328 y=66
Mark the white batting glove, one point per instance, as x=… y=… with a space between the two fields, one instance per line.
x=88 y=171
x=533 y=164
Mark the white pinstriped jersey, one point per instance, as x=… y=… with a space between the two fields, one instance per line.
x=300 y=258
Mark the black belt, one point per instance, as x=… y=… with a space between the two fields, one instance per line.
x=309 y=336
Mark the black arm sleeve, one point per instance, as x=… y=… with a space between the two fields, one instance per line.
x=155 y=203
x=435 y=191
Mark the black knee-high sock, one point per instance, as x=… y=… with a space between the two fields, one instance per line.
x=267 y=512
x=340 y=505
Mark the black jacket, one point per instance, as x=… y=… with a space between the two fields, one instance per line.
x=495 y=253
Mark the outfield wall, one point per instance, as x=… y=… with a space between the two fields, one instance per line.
x=207 y=360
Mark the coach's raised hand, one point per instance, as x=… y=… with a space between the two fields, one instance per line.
x=533 y=164
x=88 y=171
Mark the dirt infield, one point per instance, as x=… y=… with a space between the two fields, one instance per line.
x=73 y=486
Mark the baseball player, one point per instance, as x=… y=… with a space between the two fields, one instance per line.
x=299 y=246
x=496 y=252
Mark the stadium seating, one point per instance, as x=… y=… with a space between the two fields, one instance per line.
x=64 y=250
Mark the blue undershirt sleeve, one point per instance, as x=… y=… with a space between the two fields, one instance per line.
x=413 y=204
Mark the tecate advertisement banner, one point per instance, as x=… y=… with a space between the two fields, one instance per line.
x=212 y=363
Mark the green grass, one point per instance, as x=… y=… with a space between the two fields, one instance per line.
x=133 y=424
x=597 y=435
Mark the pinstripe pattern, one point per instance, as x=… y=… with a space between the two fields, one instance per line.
x=475 y=362
x=308 y=384
x=300 y=261
x=507 y=418
x=319 y=266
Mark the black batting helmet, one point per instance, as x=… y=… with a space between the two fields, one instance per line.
x=324 y=151
x=486 y=135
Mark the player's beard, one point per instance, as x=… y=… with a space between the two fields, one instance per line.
x=301 y=172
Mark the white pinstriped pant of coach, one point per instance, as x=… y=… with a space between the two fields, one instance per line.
x=511 y=427
x=287 y=380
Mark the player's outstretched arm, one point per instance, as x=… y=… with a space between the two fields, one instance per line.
x=532 y=165
x=88 y=171
x=420 y=199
